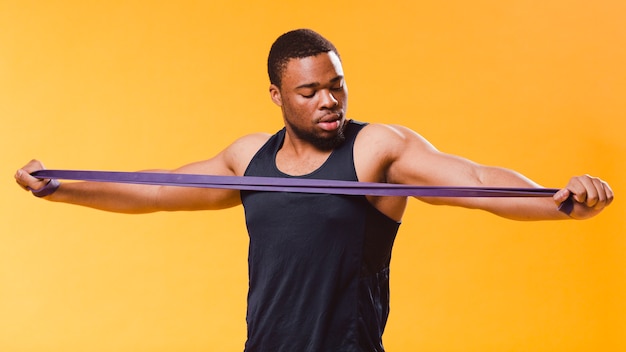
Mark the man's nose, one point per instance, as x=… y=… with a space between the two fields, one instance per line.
x=328 y=99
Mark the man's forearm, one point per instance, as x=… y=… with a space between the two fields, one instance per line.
x=113 y=197
x=516 y=208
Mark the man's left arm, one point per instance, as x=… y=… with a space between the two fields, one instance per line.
x=415 y=161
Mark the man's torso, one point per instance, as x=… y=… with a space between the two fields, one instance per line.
x=318 y=262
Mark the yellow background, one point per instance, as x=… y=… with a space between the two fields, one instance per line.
x=538 y=86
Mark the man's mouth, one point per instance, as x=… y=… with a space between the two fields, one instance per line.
x=331 y=122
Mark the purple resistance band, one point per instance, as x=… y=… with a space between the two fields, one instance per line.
x=254 y=183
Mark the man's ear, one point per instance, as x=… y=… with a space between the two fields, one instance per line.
x=275 y=95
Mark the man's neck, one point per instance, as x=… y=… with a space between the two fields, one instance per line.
x=297 y=157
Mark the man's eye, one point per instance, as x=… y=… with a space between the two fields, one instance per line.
x=308 y=96
x=337 y=89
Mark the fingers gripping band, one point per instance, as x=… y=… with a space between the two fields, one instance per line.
x=48 y=189
x=274 y=184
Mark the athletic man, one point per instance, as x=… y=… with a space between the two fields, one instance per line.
x=318 y=263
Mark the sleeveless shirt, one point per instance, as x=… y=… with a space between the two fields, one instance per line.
x=318 y=263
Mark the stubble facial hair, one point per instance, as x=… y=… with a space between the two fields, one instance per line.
x=321 y=143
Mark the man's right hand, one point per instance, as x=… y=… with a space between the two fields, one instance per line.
x=28 y=182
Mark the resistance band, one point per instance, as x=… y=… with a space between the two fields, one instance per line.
x=275 y=184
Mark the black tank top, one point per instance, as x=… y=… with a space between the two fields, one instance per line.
x=318 y=263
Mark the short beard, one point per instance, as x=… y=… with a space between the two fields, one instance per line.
x=321 y=143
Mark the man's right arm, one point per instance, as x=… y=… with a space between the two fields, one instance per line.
x=133 y=199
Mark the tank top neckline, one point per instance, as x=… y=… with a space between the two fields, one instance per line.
x=281 y=140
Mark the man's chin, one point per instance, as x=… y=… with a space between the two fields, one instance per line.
x=330 y=142
x=322 y=140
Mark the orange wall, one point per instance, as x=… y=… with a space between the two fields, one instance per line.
x=538 y=86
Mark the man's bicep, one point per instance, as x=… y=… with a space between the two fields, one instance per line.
x=232 y=161
x=171 y=198
x=418 y=162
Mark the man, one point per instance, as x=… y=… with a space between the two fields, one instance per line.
x=318 y=263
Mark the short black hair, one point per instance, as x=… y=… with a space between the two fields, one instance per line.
x=296 y=44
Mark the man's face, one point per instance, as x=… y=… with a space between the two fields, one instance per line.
x=313 y=98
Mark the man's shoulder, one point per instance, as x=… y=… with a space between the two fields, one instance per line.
x=386 y=133
x=389 y=140
x=253 y=140
x=249 y=144
x=241 y=151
